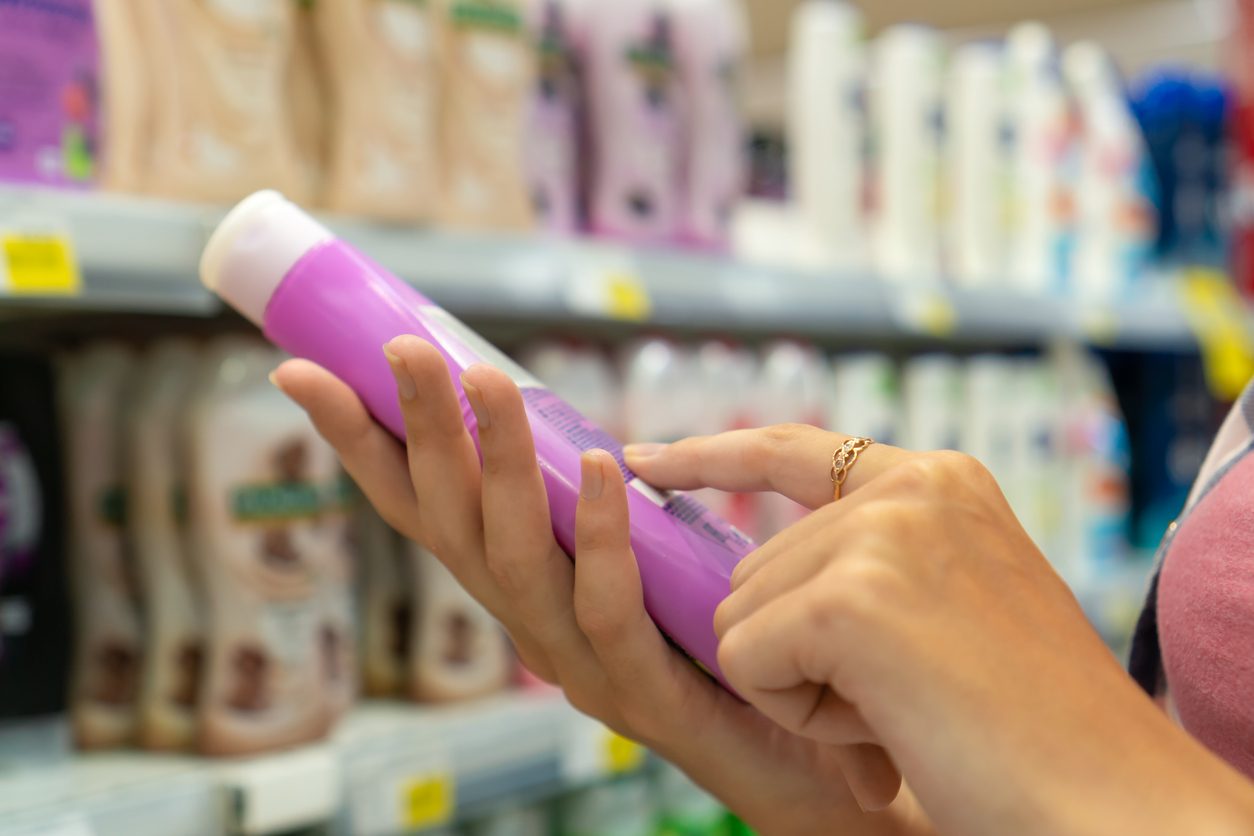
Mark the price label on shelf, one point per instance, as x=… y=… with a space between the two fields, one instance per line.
x=925 y=310
x=428 y=800
x=607 y=284
x=592 y=751
x=38 y=264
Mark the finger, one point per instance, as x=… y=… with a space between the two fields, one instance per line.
x=781 y=658
x=370 y=454
x=609 y=602
x=769 y=579
x=520 y=549
x=872 y=776
x=791 y=459
x=443 y=463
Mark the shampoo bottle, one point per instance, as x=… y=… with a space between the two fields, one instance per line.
x=485 y=75
x=381 y=60
x=553 y=127
x=710 y=43
x=633 y=100
x=173 y=609
x=289 y=275
x=827 y=127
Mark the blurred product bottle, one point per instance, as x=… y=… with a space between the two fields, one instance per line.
x=126 y=95
x=49 y=109
x=385 y=604
x=221 y=125
x=552 y=144
x=265 y=514
x=583 y=376
x=623 y=807
x=381 y=60
x=932 y=403
x=632 y=85
x=156 y=471
x=1040 y=128
x=710 y=45
x=827 y=127
x=1116 y=224
x=457 y=650
x=686 y=809
x=792 y=389
x=1239 y=67
x=487 y=72
x=726 y=376
x=658 y=391
x=306 y=95
x=1094 y=540
x=906 y=124
x=977 y=166
x=1184 y=115
x=988 y=427
x=95 y=392
x=35 y=618
x=1038 y=466
x=864 y=397
x=519 y=821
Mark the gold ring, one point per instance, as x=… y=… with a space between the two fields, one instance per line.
x=843 y=459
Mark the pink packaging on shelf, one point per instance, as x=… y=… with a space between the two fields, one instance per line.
x=710 y=43
x=48 y=92
x=551 y=147
x=633 y=111
x=319 y=298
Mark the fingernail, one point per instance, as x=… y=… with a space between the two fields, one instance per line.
x=592 y=476
x=274 y=378
x=642 y=451
x=475 y=398
x=405 y=385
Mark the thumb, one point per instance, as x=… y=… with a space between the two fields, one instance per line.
x=792 y=459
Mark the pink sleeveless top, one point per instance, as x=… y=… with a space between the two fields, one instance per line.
x=1195 y=640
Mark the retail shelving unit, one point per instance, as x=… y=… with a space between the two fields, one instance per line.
x=389 y=769
x=141 y=255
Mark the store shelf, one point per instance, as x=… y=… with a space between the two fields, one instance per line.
x=389 y=769
x=140 y=255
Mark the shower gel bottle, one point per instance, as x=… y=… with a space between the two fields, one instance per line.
x=319 y=298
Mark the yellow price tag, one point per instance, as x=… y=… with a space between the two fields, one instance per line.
x=627 y=297
x=1221 y=321
x=428 y=801
x=39 y=264
x=622 y=755
x=928 y=311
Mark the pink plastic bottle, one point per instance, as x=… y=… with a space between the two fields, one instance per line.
x=318 y=298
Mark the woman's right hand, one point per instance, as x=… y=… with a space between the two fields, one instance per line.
x=583 y=624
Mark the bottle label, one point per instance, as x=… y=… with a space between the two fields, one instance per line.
x=585 y=435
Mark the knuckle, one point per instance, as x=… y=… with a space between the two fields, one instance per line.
x=595 y=621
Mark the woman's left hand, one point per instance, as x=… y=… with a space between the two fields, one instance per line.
x=916 y=613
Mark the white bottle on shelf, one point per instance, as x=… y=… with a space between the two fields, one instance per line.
x=988 y=422
x=1040 y=130
x=726 y=377
x=932 y=392
x=658 y=393
x=827 y=127
x=1116 y=220
x=975 y=166
x=904 y=94
x=863 y=397
x=792 y=390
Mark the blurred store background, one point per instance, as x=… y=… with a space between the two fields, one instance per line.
x=1023 y=230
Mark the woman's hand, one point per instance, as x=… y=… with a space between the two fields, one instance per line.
x=918 y=614
x=582 y=624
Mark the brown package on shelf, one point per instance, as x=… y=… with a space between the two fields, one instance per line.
x=106 y=668
x=266 y=516
x=381 y=69
x=127 y=95
x=221 y=125
x=173 y=609
x=458 y=651
x=487 y=67
x=384 y=603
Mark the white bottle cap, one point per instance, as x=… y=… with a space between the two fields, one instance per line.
x=253 y=249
